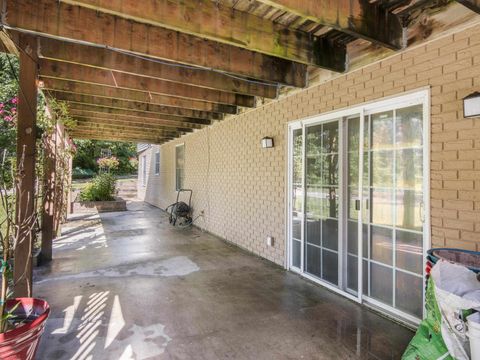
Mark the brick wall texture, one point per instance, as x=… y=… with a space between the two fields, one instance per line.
x=241 y=187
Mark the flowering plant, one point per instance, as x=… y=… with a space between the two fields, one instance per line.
x=133 y=162
x=110 y=163
x=8 y=111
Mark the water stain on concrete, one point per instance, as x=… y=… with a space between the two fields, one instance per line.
x=175 y=266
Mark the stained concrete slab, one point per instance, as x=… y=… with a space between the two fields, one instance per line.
x=129 y=286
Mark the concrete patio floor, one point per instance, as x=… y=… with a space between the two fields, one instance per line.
x=129 y=286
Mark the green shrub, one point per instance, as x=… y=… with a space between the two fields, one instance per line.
x=79 y=173
x=102 y=188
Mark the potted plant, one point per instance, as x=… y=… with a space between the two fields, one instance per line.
x=22 y=320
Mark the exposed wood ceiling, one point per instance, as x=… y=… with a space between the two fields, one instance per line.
x=153 y=70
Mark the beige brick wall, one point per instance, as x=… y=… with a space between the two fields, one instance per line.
x=241 y=187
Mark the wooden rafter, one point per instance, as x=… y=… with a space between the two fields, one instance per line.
x=213 y=21
x=131 y=124
x=134 y=105
x=360 y=18
x=111 y=60
x=85 y=74
x=89 y=126
x=49 y=17
x=134 y=95
x=105 y=116
x=111 y=136
x=140 y=114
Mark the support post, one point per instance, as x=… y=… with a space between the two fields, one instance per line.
x=48 y=209
x=26 y=137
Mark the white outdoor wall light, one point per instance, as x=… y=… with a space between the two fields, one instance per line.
x=267 y=142
x=471 y=105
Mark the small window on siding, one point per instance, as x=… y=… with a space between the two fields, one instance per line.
x=179 y=166
x=157 y=163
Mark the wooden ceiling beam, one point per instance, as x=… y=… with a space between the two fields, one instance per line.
x=103 y=116
x=89 y=126
x=111 y=60
x=134 y=105
x=360 y=18
x=52 y=18
x=138 y=114
x=134 y=95
x=473 y=5
x=86 y=74
x=92 y=135
x=213 y=21
x=130 y=124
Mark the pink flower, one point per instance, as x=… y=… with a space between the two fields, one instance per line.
x=8 y=118
x=14 y=110
x=15 y=100
x=2 y=105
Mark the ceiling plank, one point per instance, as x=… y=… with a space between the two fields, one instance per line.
x=108 y=59
x=130 y=124
x=360 y=18
x=210 y=20
x=134 y=105
x=85 y=74
x=134 y=95
x=131 y=119
x=140 y=114
x=49 y=17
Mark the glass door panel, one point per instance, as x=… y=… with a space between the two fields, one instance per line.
x=322 y=201
x=395 y=224
x=296 y=198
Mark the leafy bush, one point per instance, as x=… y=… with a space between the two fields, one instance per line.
x=79 y=173
x=102 y=188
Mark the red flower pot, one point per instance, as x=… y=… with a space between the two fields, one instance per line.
x=21 y=343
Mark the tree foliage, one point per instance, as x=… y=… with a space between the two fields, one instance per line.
x=88 y=151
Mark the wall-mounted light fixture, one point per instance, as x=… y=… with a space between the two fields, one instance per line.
x=267 y=142
x=471 y=105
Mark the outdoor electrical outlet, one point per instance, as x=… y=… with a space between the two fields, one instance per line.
x=270 y=240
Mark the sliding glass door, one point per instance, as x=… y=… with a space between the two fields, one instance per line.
x=357 y=191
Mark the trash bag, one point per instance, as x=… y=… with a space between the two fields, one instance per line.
x=452 y=292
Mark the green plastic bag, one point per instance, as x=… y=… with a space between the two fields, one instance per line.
x=428 y=344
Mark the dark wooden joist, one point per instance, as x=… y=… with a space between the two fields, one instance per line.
x=134 y=95
x=86 y=74
x=473 y=5
x=130 y=124
x=92 y=135
x=105 y=116
x=49 y=17
x=111 y=60
x=134 y=105
x=210 y=20
x=140 y=114
x=88 y=126
x=360 y=18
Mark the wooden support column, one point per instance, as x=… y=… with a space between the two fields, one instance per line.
x=26 y=137
x=48 y=213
